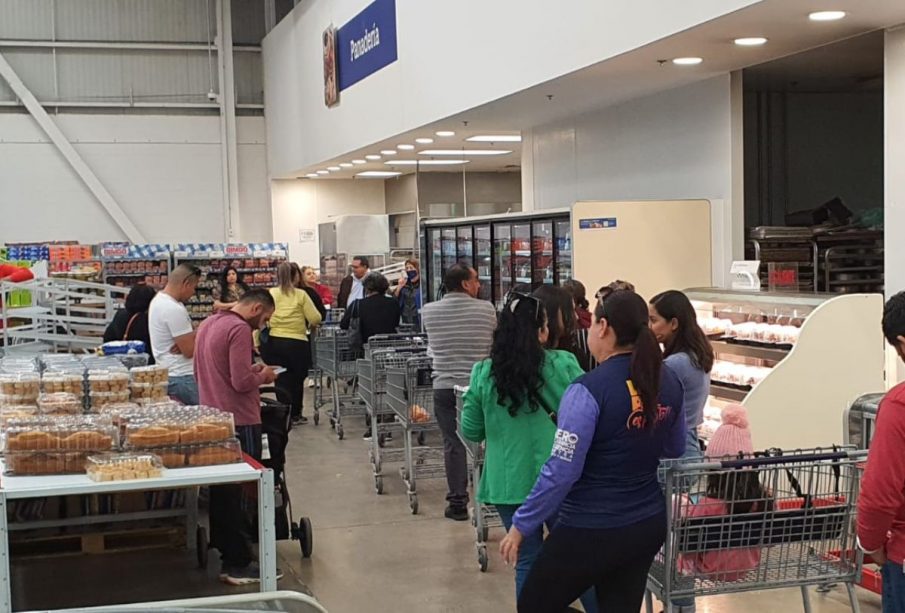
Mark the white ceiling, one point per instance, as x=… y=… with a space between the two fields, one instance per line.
x=642 y=72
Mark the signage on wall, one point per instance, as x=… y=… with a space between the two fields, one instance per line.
x=597 y=223
x=364 y=45
x=745 y=274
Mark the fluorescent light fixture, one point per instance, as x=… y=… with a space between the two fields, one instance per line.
x=445 y=133
x=372 y=157
x=425 y=162
x=495 y=138
x=687 y=61
x=323 y=172
x=359 y=162
x=827 y=15
x=387 y=152
x=312 y=175
x=378 y=174
x=405 y=147
x=751 y=41
x=424 y=141
x=334 y=168
x=347 y=165
x=464 y=152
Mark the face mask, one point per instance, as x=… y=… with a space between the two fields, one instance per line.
x=412 y=274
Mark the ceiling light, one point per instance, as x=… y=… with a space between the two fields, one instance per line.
x=495 y=138
x=372 y=157
x=323 y=172
x=347 y=165
x=425 y=162
x=751 y=41
x=334 y=168
x=387 y=152
x=687 y=61
x=826 y=16
x=464 y=152
x=406 y=147
x=378 y=174
x=312 y=175
x=359 y=162
x=424 y=141
x=445 y=133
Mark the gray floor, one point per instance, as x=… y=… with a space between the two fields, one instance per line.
x=371 y=554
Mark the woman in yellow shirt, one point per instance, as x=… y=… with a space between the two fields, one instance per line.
x=286 y=343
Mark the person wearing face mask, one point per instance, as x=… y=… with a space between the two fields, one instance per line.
x=408 y=293
x=460 y=331
x=227 y=379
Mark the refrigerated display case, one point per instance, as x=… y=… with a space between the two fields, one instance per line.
x=508 y=251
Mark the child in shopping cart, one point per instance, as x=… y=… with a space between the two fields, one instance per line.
x=725 y=494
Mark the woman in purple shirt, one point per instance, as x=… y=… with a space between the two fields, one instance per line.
x=613 y=426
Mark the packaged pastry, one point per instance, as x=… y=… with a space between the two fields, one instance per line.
x=55 y=382
x=108 y=381
x=104 y=363
x=16 y=412
x=150 y=374
x=147 y=434
x=172 y=457
x=226 y=452
x=134 y=360
x=149 y=392
x=98 y=400
x=38 y=463
x=123 y=466
x=23 y=384
x=49 y=433
x=60 y=403
x=13 y=365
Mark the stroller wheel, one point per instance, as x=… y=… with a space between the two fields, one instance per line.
x=317 y=418
x=306 y=537
x=482 y=558
x=202 y=546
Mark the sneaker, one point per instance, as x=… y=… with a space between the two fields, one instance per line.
x=366 y=436
x=245 y=576
x=456 y=513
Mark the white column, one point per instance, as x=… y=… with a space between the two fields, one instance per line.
x=528 y=170
x=894 y=159
x=227 y=98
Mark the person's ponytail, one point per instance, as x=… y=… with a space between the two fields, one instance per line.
x=647 y=360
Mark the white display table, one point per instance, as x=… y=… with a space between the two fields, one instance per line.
x=19 y=488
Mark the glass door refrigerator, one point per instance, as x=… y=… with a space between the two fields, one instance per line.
x=562 y=250
x=484 y=260
x=521 y=256
x=448 y=253
x=542 y=253
x=435 y=264
x=465 y=245
x=503 y=271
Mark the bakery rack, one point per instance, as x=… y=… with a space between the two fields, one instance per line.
x=127 y=265
x=803 y=384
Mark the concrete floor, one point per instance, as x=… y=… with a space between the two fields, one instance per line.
x=370 y=554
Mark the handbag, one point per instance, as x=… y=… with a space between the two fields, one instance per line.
x=356 y=341
x=129 y=326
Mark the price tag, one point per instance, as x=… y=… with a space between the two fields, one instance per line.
x=261 y=254
x=215 y=254
x=745 y=274
x=180 y=254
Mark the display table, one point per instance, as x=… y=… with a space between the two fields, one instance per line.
x=21 y=488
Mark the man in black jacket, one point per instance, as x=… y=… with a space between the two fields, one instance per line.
x=350 y=289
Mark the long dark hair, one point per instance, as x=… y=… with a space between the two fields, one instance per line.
x=626 y=313
x=689 y=338
x=579 y=293
x=224 y=286
x=298 y=277
x=517 y=356
x=557 y=301
x=139 y=299
x=740 y=490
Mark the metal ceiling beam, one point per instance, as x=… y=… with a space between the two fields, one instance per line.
x=69 y=153
x=123 y=46
x=130 y=105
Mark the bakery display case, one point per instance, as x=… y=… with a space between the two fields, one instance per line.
x=795 y=361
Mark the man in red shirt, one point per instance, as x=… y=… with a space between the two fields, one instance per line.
x=881 y=504
x=229 y=380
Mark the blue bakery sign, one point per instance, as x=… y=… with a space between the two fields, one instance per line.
x=366 y=43
x=597 y=223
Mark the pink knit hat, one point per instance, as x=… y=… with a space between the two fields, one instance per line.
x=733 y=436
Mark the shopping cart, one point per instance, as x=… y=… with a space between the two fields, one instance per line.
x=286 y=601
x=337 y=361
x=795 y=528
x=372 y=384
x=316 y=373
x=483 y=516
x=402 y=339
x=410 y=394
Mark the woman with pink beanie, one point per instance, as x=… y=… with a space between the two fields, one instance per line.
x=727 y=493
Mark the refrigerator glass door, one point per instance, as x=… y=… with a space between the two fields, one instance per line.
x=502 y=262
x=521 y=256
x=483 y=260
x=436 y=263
x=542 y=253
x=563 y=246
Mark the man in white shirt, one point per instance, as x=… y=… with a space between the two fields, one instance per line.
x=172 y=335
x=351 y=288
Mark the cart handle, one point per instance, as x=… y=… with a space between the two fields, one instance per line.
x=785 y=459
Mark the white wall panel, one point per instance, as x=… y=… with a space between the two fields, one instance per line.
x=25 y=19
x=133 y=20
x=35 y=68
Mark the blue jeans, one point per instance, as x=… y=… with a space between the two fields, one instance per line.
x=893 y=588
x=184 y=389
x=530 y=548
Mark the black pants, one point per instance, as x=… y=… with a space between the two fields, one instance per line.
x=614 y=561
x=453 y=449
x=229 y=524
x=295 y=356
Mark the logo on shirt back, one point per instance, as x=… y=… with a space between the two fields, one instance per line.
x=564 y=445
x=636 y=419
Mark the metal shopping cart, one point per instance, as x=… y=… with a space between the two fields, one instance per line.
x=316 y=373
x=410 y=394
x=372 y=385
x=483 y=516
x=337 y=361
x=795 y=528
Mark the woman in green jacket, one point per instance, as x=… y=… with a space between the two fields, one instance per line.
x=511 y=404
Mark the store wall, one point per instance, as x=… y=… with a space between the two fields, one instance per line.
x=302 y=204
x=163 y=170
x=450 y=54
x=445 y=194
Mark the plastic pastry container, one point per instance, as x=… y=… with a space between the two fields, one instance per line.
x=41 y=463
x=85 y=433
x=60 y=403
x=150 y=374
x=134 y=360
x=54 y=382
x=99 y=400
x=13 y=365
x=123 y=466
x=23 y=384
x=108 y=381
x=224 y=452
x=14 y=412
x=179 y=426
x=149 y=392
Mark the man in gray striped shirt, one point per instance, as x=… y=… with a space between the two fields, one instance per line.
x=460 y=331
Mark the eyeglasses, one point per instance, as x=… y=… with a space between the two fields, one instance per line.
x=516 y=298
